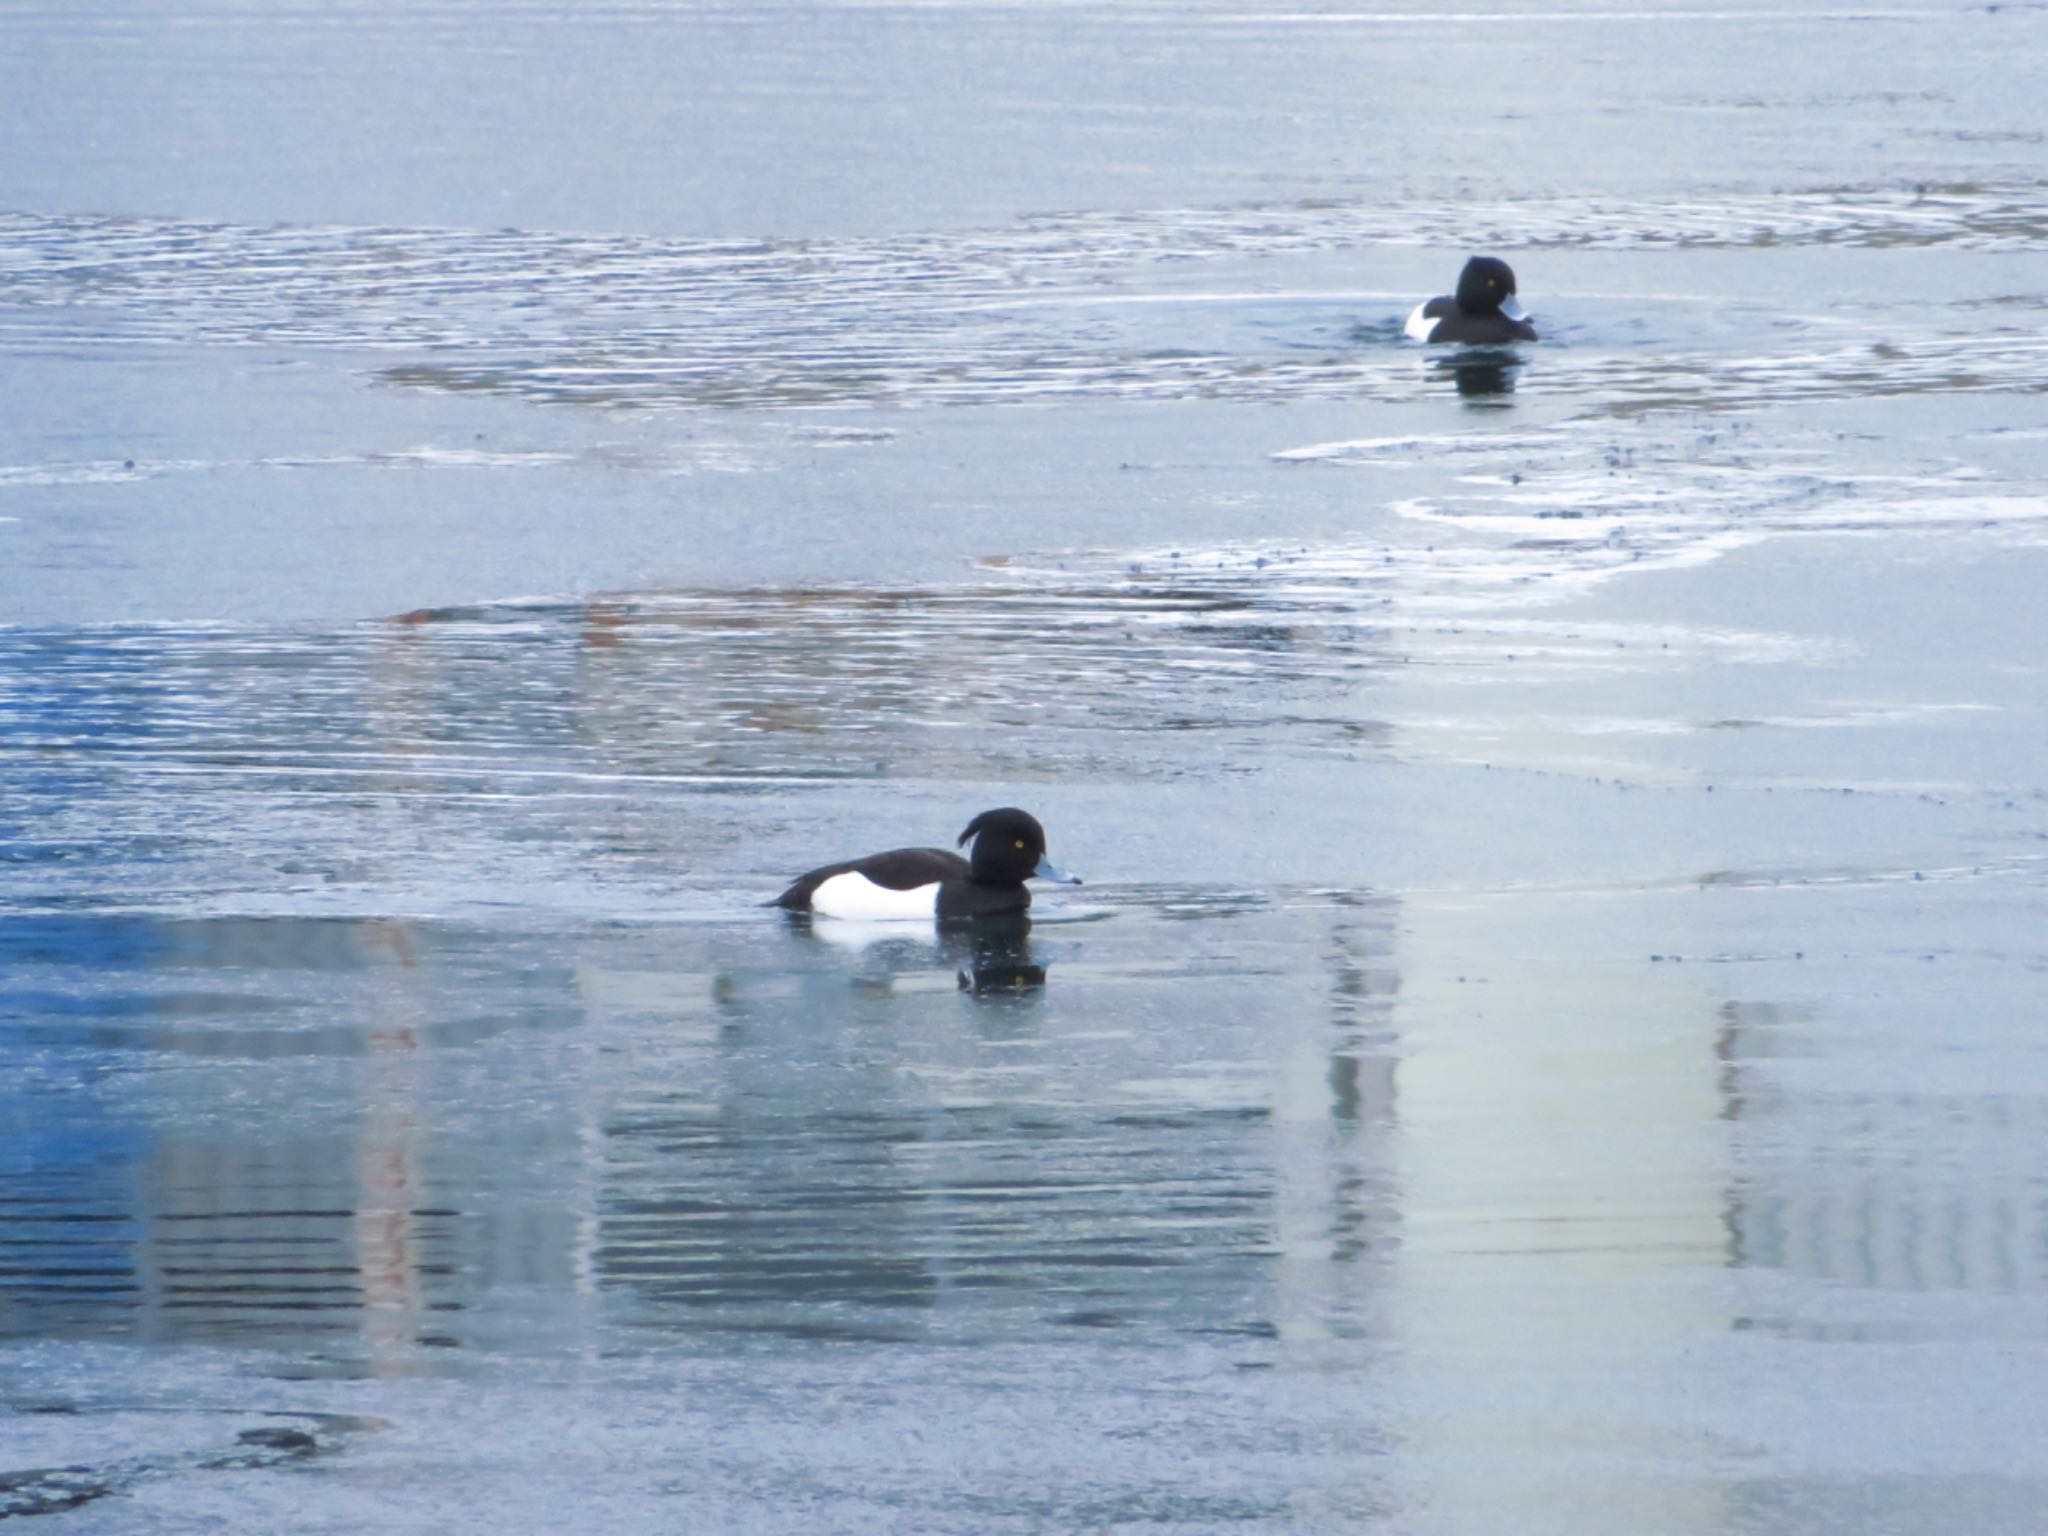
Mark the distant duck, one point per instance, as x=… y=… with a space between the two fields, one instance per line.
x=1009 y=848
x=1483 y=313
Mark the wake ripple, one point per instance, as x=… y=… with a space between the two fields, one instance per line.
x=1030 y=311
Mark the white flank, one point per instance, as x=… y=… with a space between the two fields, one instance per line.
x=1420 y=327
x=855 y=895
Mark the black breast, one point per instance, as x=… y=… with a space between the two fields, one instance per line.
x=1470 y=330
x=973 y=898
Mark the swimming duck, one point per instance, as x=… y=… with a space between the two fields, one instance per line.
x=1009 y=848
x=1484 y=312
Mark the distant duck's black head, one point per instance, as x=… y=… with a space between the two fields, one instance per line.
x=1487 y=287
x=1009 y=848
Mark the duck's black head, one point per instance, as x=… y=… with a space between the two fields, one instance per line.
x=1009 y=848
x=1487 y=286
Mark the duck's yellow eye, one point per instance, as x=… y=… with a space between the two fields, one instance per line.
x=1020 y=842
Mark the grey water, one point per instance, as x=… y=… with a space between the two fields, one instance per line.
x=1550 y=1039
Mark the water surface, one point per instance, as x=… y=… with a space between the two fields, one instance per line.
x=491 y=491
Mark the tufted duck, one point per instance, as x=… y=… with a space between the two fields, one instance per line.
x=1484 y=312
x=1009 y=848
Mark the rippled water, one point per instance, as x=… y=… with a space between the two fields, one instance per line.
x=490 y=492
x=1050 y=308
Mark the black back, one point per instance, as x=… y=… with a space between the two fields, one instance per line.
x=900 y=869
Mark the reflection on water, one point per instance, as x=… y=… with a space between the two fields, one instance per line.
x=521 y=746
x=1480 y=377
x=706 y=682
x=1222 y=1110
x=990 y=955
x=815 y=1138
x=1057 y=1158
x=1888 y=1209
x=206 y=1228
x=900 y=1223
x=275 y=1191
x=1289 y=1128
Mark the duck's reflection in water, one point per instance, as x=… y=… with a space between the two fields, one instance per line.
x=990 y=956
x=1482 y=376
x=997 y=957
